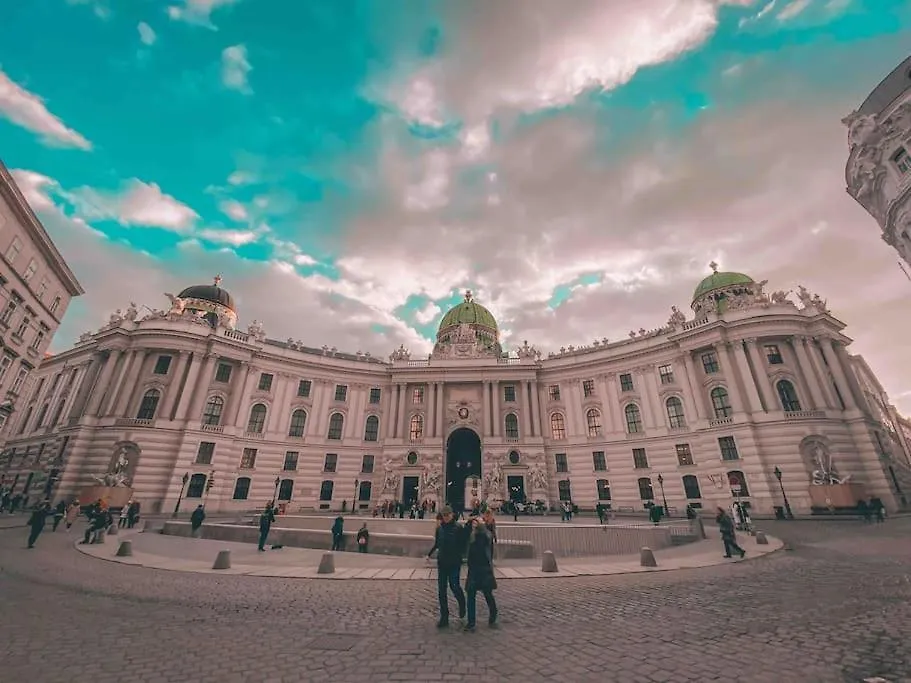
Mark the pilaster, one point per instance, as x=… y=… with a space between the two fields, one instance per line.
x=174 y=385
x=103 y=382
x=730 y=375
x=811 y=377
x=766 y=391
x=749 y=383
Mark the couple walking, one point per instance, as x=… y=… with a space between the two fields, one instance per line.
x=449 y=544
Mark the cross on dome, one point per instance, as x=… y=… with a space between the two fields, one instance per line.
x=714 y=267
x=468 y=295
x=218 y=279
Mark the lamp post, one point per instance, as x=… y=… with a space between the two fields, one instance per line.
x=357 y=484
x=787 y=506
x=663 y=497
x=183 y=486
x=278 y=481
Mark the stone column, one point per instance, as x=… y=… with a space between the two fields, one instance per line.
x=753 y=401
x=240 y=413
x=693 y=387
x=611 y=402
x=486 y=419
x=825 y=376
x=573 y=402
x=104 y=382
x=400 y=426
x=128 y=390
x=441 y=388
x=89 y=375
x=805 y=365
x=495 y=394
x=117 y=382
x=174 y=386
x=430 y=422
x=649 y=388
x=730 y=374
x=201 y=389
x=189 y=386
x=830 y=351
x=314 y=423
x=525 y=407
x=278 y=416
x=857 y=391
x=356 y=413
x=766 y=391
x=537 y=418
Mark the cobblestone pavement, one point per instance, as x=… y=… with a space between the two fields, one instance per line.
x=836 y=608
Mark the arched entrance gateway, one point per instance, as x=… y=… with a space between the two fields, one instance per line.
x=463 y=460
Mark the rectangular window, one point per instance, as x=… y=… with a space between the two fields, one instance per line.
x=162 y=365
x=902 y=161
x=728 y=448
x=509 y=394
x=341 y=392
x=205 y=452
x=375 y=395
x=23 y=327
x=560 y=462
x=710 y=363
x=417 y=395
x=684 y=454
x=626 y=382
x=773 y=354
x=603 y=489
x=38 y=340
x=290 y=464
x=30 y=270
x=19 y=381
x=599 y=461
x=331 y=462
x=588 y=387
x=666 y=373
x=303 y=388
x=55 y=304
x=223 y=373
x=15 y=247
x=265 y=382
x=564 y=490
x=42 y=288
x=640 y=459
x=248 y=459
x=367 y=464
x=11 y=306
x=553 y=392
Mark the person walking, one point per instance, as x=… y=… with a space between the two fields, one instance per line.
x=338 y=533
x=196 y=520
x=72 y=514
x=363 y=538
x=37 y=522
x=449 y=542
x=265 y=524
x=728 y=535
x=59 y=512
x=480 y=577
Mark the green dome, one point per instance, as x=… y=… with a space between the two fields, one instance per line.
x=719 y=281
x=470 y=312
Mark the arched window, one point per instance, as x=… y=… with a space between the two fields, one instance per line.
x=372 y=428
x=196 y=487
x=285 y=489
x=298 y=423
x=241 y=488
x=788 y=396
x=691 y=487
x=149 y=405
x=557 y=426
x=645 y=489
x=738 y=483
x=593 y=420
x=603 y=486
x=336 y=425
x=512 y=426
x=257 y=421
x=211 y=415
x=325 y=491
x=675 y=414
x=633 y=419
x=365 y=490
x=721 y=403
x=417 y=427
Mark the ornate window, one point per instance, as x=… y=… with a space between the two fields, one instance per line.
x=557 y=426
x=675 y=415
x=691 y=487
x=196 y=487
x=514 y=457
x=603 y=486
x=593 y=421
x=336 y=425
x=416 y=430
x=372 y=428
x=684 y=454
x=241 y=488
x=286 y=489
x=298 y=422
x=149 y=405
x=257 y=422
x=211 y=414
x=204 y=453
x=646 y=492
x=728 y=448
x=788 y=396
x=633 y=419
x=512 y=426
x=902 y=161
x=721 y=403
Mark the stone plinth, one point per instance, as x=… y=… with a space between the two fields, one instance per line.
x=116 y=496
x=837 y=495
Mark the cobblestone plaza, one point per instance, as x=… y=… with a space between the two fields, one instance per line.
x=833 y=608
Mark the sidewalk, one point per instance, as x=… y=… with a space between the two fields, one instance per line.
x=156 y=551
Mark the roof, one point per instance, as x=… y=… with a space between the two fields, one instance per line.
x=719 y=281
x=888 y=90
x=212 y=293
x=470 y=312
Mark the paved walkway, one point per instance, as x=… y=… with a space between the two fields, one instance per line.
x=156 y=551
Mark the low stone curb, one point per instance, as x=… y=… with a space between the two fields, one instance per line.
x=572 y=567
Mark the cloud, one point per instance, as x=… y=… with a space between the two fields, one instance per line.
x=101 y=8
x=427 y=314
x=146 y=34
x=234 y=210
x=198 y=12
x=137 y=203
x=29 y=111
x=793 y=9
x=235 y=68
x=235 y=238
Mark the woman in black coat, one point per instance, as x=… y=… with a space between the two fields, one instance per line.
x=480 y=573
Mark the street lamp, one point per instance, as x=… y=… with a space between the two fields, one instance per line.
x=278 y=480
x=787 y=505
x=354 y=500
x=663 y=497
x=183 y=486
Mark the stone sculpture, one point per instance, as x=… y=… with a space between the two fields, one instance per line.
x=178 y=306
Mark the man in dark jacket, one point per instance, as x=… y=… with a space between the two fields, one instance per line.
x=196 y=520
x=449 y=543
x=37 y=521
x=265 y=524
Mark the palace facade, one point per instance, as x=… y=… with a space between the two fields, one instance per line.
x=708 y=406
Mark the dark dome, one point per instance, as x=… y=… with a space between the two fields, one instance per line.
x=212 y=293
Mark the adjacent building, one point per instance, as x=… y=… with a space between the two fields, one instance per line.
x=36 y=287
x=699 y=410
x=878 y=172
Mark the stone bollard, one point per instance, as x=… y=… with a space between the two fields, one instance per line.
x=549 y=562
x=222 y=560
x=125 y=549
x=647 y=558
x=112 y=530
x=326 y=564
x=761 y=539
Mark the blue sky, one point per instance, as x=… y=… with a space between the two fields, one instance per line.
x=351 y=166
